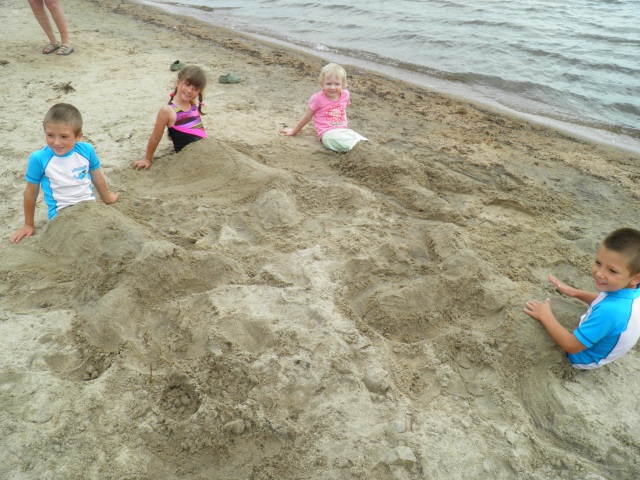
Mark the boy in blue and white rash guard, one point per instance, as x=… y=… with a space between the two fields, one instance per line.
x=611 y=326
x=66 y=169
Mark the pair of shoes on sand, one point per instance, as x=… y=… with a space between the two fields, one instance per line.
x=228 y=78
x=62 y=49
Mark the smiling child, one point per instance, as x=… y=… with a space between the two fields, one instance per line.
x=611 y=326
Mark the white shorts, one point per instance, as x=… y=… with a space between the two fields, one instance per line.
x=341 y=140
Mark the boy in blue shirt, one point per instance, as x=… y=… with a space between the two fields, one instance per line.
x=611 y=326
x=66 y=169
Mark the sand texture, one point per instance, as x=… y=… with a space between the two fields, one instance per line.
x=258 y=307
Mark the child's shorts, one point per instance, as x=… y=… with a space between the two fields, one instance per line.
x=341 y=140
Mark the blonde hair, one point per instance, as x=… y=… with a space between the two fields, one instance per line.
x=333 y=69
x=64 y=113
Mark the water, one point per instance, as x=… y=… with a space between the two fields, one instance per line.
x=575 y=61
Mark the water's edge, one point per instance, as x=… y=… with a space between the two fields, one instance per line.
x=461 y=91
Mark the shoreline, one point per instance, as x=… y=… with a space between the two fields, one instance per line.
x=257 y=306
x=459 y=91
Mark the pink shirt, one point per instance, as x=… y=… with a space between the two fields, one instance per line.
x=329 y=114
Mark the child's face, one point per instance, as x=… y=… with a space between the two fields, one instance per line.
x=332 y=86
x=610 y=272
x=61 y=138
x=187 y=92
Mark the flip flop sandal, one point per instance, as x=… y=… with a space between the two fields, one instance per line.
x=65 y=50
x=175 y=66
x=50 y=48
x=229 y=78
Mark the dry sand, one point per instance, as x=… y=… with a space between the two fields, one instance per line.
x=257 y=307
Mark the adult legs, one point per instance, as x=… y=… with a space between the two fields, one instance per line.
x=37 y=7
x=57 y=13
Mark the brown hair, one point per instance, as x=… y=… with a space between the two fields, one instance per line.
x=626 y=242
x=196 y=77
x=64 y=113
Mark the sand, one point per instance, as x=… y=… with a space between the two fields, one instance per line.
x=257 y=307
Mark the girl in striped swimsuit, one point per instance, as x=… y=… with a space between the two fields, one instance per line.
x=181 y=116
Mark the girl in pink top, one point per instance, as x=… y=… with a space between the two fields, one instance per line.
x=328 y=108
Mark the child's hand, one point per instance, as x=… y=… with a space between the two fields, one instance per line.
x=538 y=310
x=25 y=231
x=288 y=131
x=562 y=287
x=110 y=198
x=142 y=164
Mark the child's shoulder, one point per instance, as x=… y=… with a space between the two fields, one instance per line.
x=84 y=148
x=88 y=153
x=44 y=151
x=618 y=303
x=321 y=97
x=40 y=158
x=622 y=295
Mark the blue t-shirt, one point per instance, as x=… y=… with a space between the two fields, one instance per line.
x=609 y=329
x=65 y=180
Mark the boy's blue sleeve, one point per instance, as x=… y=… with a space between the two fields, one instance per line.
x=35 y=168
x=601 y=322
x=88 y=152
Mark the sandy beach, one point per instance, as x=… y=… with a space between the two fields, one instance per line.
x=258 y=307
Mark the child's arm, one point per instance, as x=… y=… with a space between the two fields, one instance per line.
x=586 y=297
x=101 y=185
x=566 y=340
x=165 y=117
x=290 y=132
x=31 y=192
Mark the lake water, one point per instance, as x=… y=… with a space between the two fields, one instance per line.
x=575 y=61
